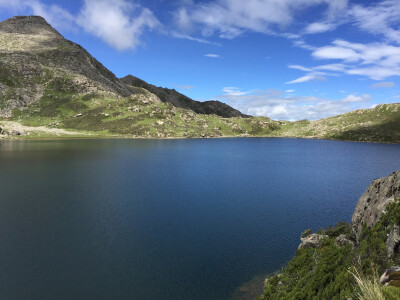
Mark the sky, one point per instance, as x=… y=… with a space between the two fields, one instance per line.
x=285 y=59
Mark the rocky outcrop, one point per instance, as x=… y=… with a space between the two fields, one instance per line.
x=313 y=240
x=343 y=240
x=393 y=241
x=372 y=204
x=179 y=100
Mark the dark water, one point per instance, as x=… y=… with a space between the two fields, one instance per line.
x=179 y=219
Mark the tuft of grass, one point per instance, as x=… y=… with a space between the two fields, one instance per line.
x=368 y=289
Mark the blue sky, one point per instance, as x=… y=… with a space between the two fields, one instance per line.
x=286 y=59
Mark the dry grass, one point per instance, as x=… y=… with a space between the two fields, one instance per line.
x=367 y=289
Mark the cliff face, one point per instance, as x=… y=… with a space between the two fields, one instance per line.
x=372 y=205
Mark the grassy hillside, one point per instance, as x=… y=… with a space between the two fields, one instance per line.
x=380 y=124
x=140 y=115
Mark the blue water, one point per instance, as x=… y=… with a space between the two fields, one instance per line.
x=168 y=219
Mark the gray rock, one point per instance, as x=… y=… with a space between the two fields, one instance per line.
x=373 y=202
x=313 y=240
x=393 y=241
x=16 y=132
x=343 y=240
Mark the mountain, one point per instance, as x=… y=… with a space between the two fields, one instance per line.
x=177 y=99
x=35 y=56
x=34 y=53
x=51 y=86
x=48 y=81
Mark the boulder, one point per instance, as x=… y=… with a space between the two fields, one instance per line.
x=391 y=277
x=343 y=240
x=313 y=240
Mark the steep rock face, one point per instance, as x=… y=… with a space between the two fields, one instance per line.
x=32 y=54
x=179 y=100
x=372 y=203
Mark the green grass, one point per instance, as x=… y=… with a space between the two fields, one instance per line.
x=323 y=273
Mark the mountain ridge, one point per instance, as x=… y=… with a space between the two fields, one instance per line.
x=182 y=101
x=46 y=80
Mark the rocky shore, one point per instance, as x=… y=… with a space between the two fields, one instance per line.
x=369 y=244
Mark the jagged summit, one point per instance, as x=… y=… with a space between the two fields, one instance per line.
x=27 y=25
x=179 y=100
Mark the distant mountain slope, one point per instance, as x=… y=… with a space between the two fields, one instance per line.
x=34 y=56
x=379 y=124
x=179 y=100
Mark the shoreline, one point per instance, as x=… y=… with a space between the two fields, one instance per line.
x=89 y=137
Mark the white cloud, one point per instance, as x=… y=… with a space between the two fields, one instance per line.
x=231 y=18
x=234 y=91
x=120 y=23
x=307 y=78
x=277 y=105
x=212 y=55
x=334 y=52
x=301 y=68
x=289 y=91
x=319 y=27
x=179 y=35
x=387 y=84
x=376 y=61
x=112 y=21
x=54 y=14
x=378 y=18
x=332 y=67
x=353 y=98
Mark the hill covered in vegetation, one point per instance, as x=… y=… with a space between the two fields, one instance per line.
x=324 y=262
x=50 y=86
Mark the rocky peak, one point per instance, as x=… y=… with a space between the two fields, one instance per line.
x=27 y=25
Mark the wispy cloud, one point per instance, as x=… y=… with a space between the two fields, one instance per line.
x=231 y=18
x=378 y=18
x=279 y=106
x=182 y=36
x=211 y=55
x=307 y=78
x=379 y=85
x=376 y=61
x=234 y=91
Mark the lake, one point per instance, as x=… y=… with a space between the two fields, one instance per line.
x=168 y=219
